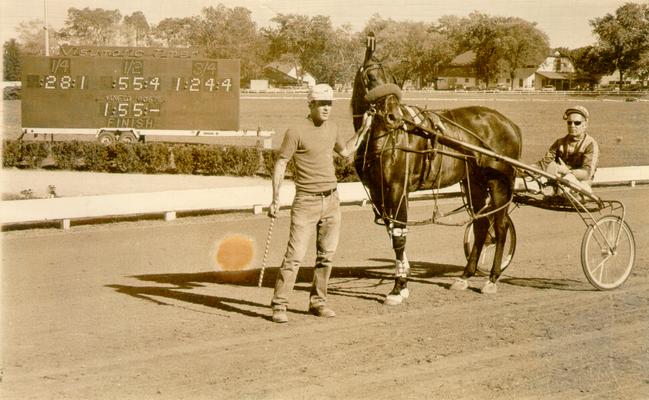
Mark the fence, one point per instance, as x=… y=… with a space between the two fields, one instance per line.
x=253 y=198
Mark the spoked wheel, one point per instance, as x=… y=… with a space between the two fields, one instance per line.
x=608 y=252
x=489 y=250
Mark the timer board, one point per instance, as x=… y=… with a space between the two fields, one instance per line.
x=136 y=93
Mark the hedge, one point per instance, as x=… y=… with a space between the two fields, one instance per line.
x=152 y=158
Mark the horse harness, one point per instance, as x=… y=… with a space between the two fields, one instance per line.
x=415 y=124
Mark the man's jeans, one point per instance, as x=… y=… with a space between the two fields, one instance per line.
x=309 y=212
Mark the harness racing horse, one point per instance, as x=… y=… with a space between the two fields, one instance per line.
x=407 y=148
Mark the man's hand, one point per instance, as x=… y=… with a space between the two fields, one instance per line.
x=272 y=209
x=562 y=169
x=367 y=121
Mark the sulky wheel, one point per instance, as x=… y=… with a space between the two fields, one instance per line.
x=608 y=252
x=488 y=251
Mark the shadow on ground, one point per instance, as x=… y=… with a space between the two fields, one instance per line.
x=361 y=282
x=357 y=282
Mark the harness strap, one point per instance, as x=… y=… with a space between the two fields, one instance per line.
x=416 y=116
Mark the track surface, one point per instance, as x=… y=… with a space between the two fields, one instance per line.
x=134 y=310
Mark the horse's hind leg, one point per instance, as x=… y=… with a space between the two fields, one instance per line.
x=500 y=194
x=401 y=268
x=480 y=228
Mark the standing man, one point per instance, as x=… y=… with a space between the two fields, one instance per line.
x=575 y=155
x=311 y=142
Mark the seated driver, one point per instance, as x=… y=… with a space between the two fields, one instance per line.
x=575 y=155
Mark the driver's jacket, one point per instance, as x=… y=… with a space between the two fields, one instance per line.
x=581 y=156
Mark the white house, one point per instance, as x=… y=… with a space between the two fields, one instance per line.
x=555 y=71
x=614 y=79
x=286 y=74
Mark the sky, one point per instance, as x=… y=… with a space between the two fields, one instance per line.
x=566 y=22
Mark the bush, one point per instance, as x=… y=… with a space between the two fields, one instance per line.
x=207 y=161
x=10 y=153
x=183 y=159
x=94 y=157
x=240 y=161
x=24 y=154
x=155 y=158
x=11 y=93
x=345 y=170
x=66 y=155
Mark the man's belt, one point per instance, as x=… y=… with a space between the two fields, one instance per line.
x=326 y=193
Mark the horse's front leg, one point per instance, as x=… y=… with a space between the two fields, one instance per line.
x=400 y=290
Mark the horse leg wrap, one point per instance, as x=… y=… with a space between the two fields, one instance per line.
x=401 y=265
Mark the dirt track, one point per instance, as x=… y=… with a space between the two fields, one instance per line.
x=132 y=310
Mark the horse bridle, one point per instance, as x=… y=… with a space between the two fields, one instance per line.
x=365 y=70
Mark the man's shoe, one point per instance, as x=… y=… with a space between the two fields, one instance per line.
x=322 y=311
x=280 y=316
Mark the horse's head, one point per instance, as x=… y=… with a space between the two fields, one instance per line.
x=376 y=90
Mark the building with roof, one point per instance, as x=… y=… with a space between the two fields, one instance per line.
x=613 y=80
x=555 y=73
x=460 y=73
x=281 y=75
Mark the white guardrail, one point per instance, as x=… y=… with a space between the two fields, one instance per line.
x=65 y=209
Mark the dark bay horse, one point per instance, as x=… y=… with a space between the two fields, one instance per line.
x=400 y=154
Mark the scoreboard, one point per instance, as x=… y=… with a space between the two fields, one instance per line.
x=130 y=92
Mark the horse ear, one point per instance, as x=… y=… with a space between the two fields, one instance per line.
x=371 y=42
x=370 y=46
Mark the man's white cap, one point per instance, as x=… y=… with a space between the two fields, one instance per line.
x=321 y=91
x=576 y=110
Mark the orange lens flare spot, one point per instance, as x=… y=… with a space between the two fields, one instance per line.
x=234 y=253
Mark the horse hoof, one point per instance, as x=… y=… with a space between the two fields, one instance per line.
x=396 y=299
x=393 y=299
x=489 y=288
x=459 y=284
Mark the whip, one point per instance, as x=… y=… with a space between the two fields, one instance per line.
x=263 y=261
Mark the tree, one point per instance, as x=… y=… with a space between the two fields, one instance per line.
x=641 y=69
x=485 y=35
x=522 y=44
x=231 y=33
x=11 y=61
x=623 y=37
x=175 y=32
x=338 y=62
x=412 y=50
x=588 y=62
x=97 y=26
x=136 y=28
x=302 y=40
x=31 y=38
